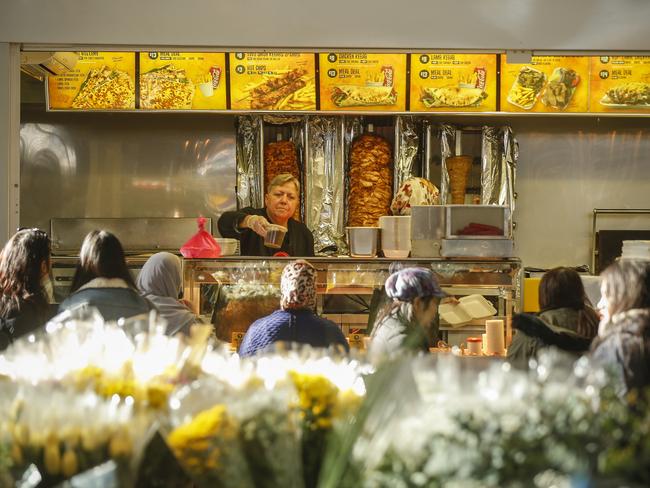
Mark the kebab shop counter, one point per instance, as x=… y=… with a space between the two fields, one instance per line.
x=234 y=291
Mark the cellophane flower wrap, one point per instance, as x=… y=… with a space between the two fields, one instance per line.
x=446 y=421
x=270 y=414
x=63 y=432
x=89 y=391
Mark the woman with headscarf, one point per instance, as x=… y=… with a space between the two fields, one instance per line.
x=410 y=321
x=160 y=281
x=296 y=321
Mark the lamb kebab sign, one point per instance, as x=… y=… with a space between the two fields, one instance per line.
x=272 y=81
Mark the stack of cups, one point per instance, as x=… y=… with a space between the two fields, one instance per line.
x=494 y=338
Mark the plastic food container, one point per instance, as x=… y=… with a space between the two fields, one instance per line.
x=468 y=308
x=363 y=241
x=274 y=236
x=477 y=306
x=477 y=222
x=229 y=247
x=477 y=248
x=395 y=236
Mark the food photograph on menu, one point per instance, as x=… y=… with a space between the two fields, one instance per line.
x=99 y=81
x=182 y=81
x=620 y=84
x=362 y=81
x=458 y=82
x=546 y=84
x=273 y=81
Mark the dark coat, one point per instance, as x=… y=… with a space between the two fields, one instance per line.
x=298 y=241
x=624 y=349
x=551 y=328
x=28 y=319
x=299 y=326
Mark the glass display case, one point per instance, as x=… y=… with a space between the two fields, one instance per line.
x=234 y=291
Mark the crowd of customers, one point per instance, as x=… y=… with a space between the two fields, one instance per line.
x=616 y=337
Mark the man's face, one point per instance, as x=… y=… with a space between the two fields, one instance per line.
x=281 y=202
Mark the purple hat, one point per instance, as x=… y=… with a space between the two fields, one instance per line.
x=410 y=283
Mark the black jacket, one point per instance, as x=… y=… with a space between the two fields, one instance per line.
x=624 y=349
x=552 y=328
x=30 y=318
x=298 y=242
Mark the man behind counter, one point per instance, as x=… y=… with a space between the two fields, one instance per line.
x=249 y=225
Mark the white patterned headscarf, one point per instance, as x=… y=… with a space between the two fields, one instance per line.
x=298 y=286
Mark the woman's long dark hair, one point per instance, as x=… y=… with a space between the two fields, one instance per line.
x=626 y=285
x=21 y=269
x=102 y=256
x=562 y=288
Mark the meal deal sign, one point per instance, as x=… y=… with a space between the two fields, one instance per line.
x=547 y=84
x=99 y=81
x=620 y=84
x=453 y=82
x=362 y=81
x=272 y=81
x=182 y=81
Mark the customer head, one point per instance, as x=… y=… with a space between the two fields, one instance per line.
x=415 y=293
x=562 y=288
x=101 y=256
x=298 y=286
x=282 y=197
x=161 y=276
x=24 y=261
x=625 y=286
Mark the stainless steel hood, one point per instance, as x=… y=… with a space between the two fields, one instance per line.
x=47 y=63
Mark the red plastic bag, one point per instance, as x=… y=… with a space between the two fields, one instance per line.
x=201 y=244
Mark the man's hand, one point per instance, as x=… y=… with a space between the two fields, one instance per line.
x=257 y=224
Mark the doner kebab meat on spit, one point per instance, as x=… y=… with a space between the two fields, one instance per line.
x=370 y=180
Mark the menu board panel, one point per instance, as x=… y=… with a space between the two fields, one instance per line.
x=362 y=81
x=99 y=81
x=182 y=81
x=453 y=82
x=620 y=84
x=272 y=81
x=547 y=84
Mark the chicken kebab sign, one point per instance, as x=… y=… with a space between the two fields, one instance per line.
x=272 y=81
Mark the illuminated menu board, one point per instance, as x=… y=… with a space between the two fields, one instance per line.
x=362 y=81
x=546 y=84
x=182 y=81
x=272 y=81
x=620 y=84
x=99 y=81
x=453 y=82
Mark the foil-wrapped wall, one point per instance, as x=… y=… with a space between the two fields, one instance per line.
x=406 y=149
x=249 y=162
x=325 y=184
x=500 y=152
x=447 y=141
